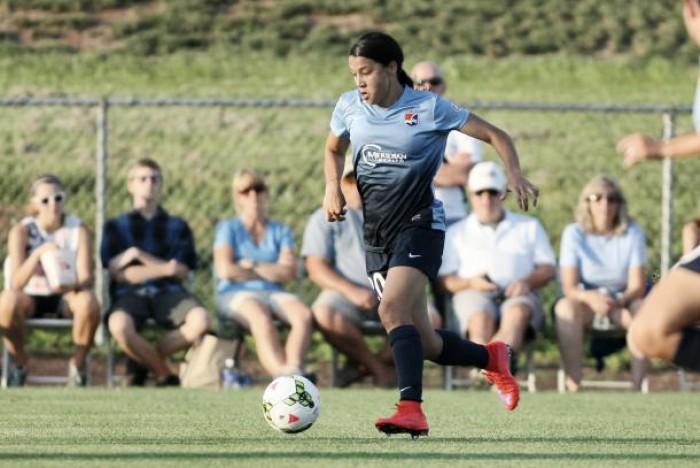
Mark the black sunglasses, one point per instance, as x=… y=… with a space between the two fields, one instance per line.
x=491 y=192
x=257 y=188
x=437 y=81
x=153 y=178
x=611 y=197
x=57 y=198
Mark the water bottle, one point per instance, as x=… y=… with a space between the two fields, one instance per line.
x=229 y=375
x=602 y=322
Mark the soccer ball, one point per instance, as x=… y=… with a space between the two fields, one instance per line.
x=291 y=404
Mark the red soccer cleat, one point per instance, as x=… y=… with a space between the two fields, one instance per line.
x=408 y=419
x=498 y=373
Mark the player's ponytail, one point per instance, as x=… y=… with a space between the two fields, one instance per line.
x=384 y=49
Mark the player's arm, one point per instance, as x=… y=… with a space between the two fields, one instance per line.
x=522 y=188
x=225 y=267
x=334 y=202
x=636 y=148
x=321 y=273
x=283 y=271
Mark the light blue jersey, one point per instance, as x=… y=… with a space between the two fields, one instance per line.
x=396 y=153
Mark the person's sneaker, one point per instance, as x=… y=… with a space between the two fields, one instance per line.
x=17 y=376
x=348 y=375
x=170 y=381
x=136 y=373
x=408 y=419
x=498 y=373
x=76 y=377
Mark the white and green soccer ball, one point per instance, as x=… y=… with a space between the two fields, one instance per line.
x=291 y=404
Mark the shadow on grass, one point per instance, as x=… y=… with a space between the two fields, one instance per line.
x=314 y=455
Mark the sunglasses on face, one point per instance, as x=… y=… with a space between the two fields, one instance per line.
x=56 y=198
x=610 y=197
x=437 y=81
x=145 y=178
x=490 y=192
x=257 y=188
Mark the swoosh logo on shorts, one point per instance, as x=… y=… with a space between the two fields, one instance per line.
x=410 y=255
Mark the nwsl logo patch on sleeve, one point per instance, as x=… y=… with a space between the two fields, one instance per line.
x=410 y=118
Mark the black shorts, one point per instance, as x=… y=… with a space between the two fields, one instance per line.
x=48 y=306
x=416 y=247
x=167 y=308
x=693 y=265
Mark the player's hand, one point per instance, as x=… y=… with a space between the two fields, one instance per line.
x=334 y=203
x=480 y=283
x=636 y=148
x=523 y=189
x=364 y=299
x=691 y=18
x=45 y=247
x=601 y=303
x=516 y=288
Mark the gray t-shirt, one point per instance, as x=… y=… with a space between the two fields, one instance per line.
x=340 y=243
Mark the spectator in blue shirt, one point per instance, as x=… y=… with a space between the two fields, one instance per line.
x=149 y=254
x=253 y=259
x=603 y=268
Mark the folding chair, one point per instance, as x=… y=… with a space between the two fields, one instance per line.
x=530 y=380
x=42 y=324
x=602 y=343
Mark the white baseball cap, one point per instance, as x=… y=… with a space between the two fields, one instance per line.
x=486 y=176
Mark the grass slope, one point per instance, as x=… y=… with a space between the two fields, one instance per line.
x=153 y=427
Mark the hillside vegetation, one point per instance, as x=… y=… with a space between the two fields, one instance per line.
x=493 y=28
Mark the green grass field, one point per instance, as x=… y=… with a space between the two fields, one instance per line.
x=154 y=427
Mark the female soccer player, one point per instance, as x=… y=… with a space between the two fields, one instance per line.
x=398 y=136
x=666 y=326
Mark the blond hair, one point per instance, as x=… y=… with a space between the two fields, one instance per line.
x=49 y=179
x=598 y=184
x=244 y=179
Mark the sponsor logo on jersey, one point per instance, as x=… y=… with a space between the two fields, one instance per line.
x=373 y=155
x=410 y=118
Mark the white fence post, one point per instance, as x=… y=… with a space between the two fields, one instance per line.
x=667 y=199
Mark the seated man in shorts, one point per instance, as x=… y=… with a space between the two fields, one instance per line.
x=149 y=255
x=493 y=263
x=335 y=260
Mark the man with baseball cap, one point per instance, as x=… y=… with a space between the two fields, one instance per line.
x=493 y=263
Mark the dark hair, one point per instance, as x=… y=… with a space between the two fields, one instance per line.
x=50 y=179
x=382 y=48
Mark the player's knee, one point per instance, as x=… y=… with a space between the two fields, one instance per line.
x=565 y=309
x=121 y=326
x=199 y=321
x=643 y=339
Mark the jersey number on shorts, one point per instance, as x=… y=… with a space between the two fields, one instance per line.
x=378 y=280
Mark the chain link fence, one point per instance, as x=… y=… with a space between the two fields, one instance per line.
x=199 y=143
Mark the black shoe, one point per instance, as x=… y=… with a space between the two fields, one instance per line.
x=170 y=381
x=137 y=374
x=17 y=376
x=311 y=377
x=513 y=362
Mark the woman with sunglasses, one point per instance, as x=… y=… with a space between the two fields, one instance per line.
x=253 y=259
x=603 y=268
x=398 y=138
x=666 y=326
x=48 y=235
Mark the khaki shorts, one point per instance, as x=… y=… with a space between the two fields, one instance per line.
x=228 y=305
x=468 y=302
x=349 y=310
